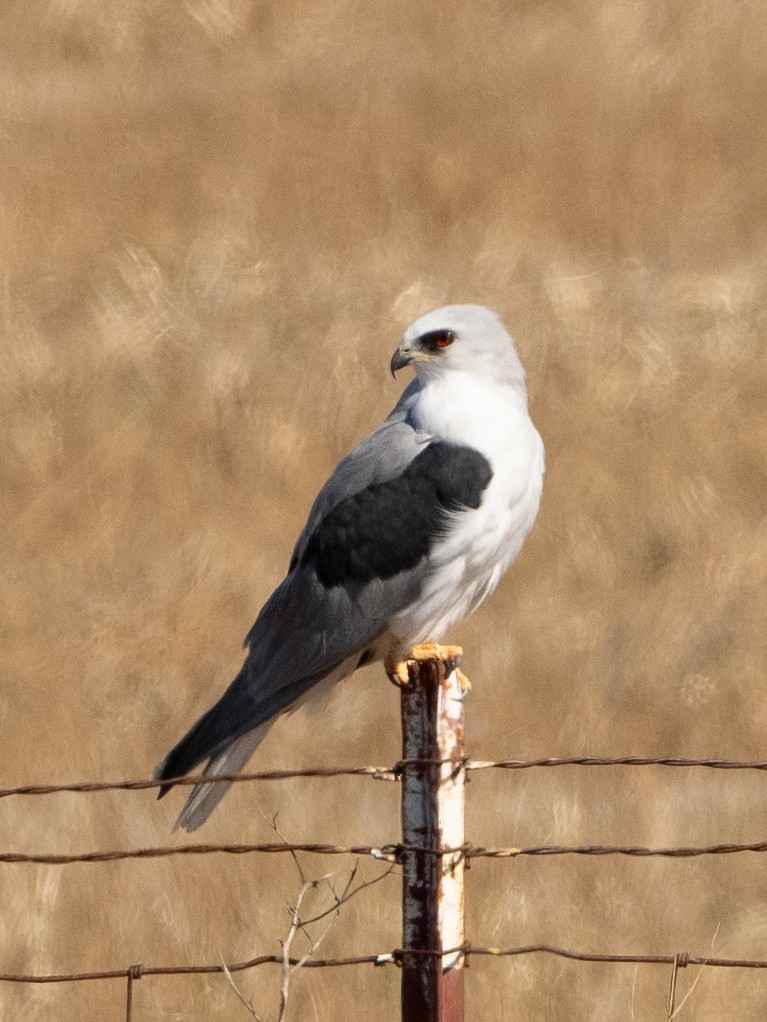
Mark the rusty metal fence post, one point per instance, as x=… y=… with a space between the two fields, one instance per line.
x=433 y=800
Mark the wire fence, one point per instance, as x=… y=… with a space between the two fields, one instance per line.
x=385 y=773
x=392 y=853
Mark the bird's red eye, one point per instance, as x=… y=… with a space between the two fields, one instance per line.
x=439 y=338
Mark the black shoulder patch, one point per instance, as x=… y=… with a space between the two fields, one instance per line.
x=388 y=527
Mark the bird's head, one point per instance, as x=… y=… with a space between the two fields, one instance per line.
x=466 y=338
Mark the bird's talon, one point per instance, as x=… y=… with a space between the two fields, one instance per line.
x=397 y=671
x=463 y=684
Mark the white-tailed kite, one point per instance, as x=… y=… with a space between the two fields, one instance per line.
x=408 y=536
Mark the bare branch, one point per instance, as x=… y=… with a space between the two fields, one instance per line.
x=273 y=825
x=247 y=1004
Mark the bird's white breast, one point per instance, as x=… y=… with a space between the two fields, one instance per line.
x=480 y=544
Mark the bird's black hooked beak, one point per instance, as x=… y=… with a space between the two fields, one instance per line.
x=401 y=358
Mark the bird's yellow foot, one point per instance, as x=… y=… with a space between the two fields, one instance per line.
x=449 y=655
x=397 y=671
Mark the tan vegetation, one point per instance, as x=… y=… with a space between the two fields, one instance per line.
x=217 y=216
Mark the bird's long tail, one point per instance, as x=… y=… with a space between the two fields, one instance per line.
x=212 y=738
x=205 y=797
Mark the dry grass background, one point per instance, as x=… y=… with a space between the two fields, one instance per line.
x=217 y=216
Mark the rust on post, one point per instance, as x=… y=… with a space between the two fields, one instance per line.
x=433 y=800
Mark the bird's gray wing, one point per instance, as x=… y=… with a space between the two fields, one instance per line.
x=381 y=456
x=362 y=558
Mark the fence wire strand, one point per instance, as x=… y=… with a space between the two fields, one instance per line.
x=391 y=852
x=134 y=972
x=392 y=772
x=611 y=761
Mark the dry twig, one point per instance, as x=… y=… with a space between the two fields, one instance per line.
x=290 y=964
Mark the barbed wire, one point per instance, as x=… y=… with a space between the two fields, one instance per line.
x=390 y=852
x=165 y=851
x=683 y=852
x=611 y=761
x=136 y=972
x=191 y=779
x=393 y=772
x=140 y=971
x=681 y=959
x=394 y=957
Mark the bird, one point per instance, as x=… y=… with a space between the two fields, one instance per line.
x=411 y=532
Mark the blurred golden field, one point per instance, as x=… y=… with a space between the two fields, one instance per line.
x=216 y=218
